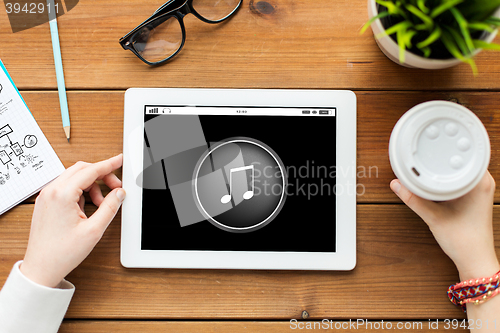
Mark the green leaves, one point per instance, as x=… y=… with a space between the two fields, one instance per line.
x=451 y=45
x=373 y=19
x=400 y=28
x=446 y=5
x=434 y=36
x=426 y=20
x=481 y=44
x=463 y=25
x=479 y=10
x=422 y=24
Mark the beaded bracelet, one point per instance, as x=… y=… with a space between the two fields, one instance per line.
x=475 y=291
x=481 y=299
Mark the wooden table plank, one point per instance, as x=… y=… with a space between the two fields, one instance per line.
x=401 y=273
x=96 y=123
x=378 y=112
x=70 y=326
x=97 y=135
x=299 y=44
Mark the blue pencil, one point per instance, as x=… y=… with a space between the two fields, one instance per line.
x=63 y=101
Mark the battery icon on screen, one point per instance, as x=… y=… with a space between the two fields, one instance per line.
x=324 y=111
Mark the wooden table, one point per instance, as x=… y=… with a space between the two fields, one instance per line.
x=401 y=275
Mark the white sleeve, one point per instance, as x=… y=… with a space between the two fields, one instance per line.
x=26 y=306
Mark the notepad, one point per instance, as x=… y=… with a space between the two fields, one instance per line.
x=27 y=160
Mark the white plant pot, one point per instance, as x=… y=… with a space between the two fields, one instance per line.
x=391 y=49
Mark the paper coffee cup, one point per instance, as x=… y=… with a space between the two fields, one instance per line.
x=439 y=150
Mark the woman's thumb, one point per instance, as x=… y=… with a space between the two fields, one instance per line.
x=422 y=207
x=108 y=208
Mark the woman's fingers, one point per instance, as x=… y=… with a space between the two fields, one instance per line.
x=75 y=169
x=107 y=210
x=88 y=175
x=95 y=194
x=424 y=208
x=81 y=203
x=112 y=181
x=69 y=172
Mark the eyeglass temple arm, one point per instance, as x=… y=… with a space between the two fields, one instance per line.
x=163 y=6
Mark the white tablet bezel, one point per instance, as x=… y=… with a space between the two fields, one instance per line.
x=345 y=103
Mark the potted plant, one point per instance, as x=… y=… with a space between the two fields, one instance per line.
x=434 y=34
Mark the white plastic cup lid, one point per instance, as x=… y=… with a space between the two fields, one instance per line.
x=439 y=150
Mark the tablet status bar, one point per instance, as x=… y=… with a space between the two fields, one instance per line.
x=239 y=110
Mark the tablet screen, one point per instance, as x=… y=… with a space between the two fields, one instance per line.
x=239 y=179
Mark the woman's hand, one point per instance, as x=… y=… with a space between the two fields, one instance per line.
x=62 y=236
x=463 y=227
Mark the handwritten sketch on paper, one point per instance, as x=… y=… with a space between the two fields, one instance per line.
x=27 y=160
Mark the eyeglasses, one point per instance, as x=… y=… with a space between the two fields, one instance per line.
x=162 y=36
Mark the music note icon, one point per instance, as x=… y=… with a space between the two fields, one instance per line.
x=248 y=194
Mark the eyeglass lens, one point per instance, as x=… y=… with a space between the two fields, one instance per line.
x=158 y=40
x=161 y=38
x=215 y=10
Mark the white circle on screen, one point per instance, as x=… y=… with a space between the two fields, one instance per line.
x=247 y=186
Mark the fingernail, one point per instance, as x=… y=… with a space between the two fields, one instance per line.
x=395 y=186
x=120 y=194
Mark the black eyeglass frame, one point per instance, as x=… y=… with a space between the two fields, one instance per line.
x=165 y=13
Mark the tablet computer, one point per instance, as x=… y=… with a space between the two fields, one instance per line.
x=239 y=179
